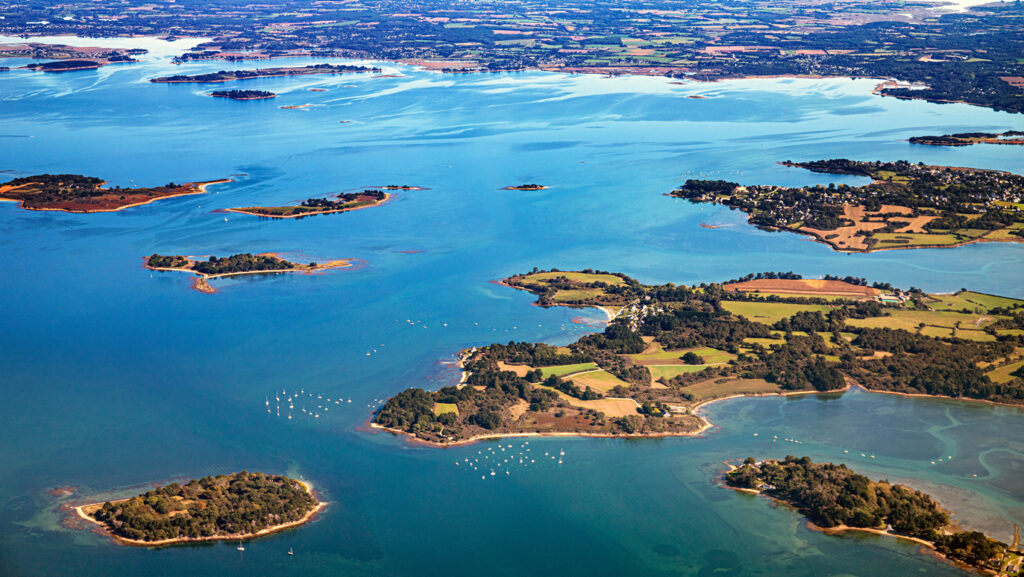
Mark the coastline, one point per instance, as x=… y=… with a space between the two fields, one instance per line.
x=320 y=505
x=412 y=439
x=200 y=188
x=387 y=198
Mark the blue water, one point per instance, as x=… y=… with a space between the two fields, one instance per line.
x=113 y=376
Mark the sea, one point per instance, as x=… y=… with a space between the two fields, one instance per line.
x=114 y=378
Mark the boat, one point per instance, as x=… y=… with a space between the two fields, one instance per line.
x=240 y=547
x=290 y=551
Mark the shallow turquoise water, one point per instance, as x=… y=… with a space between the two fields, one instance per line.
x=113 y=376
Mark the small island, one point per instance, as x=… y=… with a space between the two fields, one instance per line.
x=312 y=206
x=905 y=206
x=86 y=194
x=1012 y=137
x=669 y=349
x=243 y=94
x=228 y=75
x=235 y=265
x=225 y=507
x=836 y=499
x=526 y=187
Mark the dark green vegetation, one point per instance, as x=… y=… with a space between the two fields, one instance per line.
x=906 y=206
x=227 y=506
x=234 y=264
x=226 y=75
x=77 y=193
x=339 y=203
x=969 y=138
x=243 y=94
x=958 y=57
x=833 y=495
x=671 y=347
x=64 y=65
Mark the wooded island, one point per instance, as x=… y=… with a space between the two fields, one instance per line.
x=834 y=497
x=237 y=506
x=340 y=203
x=234 y=265
x=905 y=206
x=228 y=75
x=243 y=94
x=671 y=348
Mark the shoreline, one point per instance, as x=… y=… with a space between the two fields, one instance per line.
x=706 y=424
x=320 y=506
x=412 y=439
x=387 y=198
x=200 y=188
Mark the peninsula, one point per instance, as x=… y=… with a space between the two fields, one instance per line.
x=669 y=349
x=1013 y=137
x=243 y=94
x=228 y=75
x=836 y=499
x=905 y=206
x=226 y=507
x=77 y=193
x=312 y=206
x=234 y=265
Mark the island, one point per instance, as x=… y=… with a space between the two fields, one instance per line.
x=1013 y=137
x=526 y=187
x=66 y=58
x=243 y=94
x=836 y=499
x=228 y=75
x=341 y=203
x=905 y=206
x=669 y=349
x=224 y=507
x=86 y=194
x=234 y=265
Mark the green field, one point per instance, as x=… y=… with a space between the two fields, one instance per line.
x=909 y=320
x=573 y=295
x=1002 y=374
x=710 y=356
x=668 y=372
x=712 y=389
x=581 y=277
x=893 y=239
x=769 y=313
x=978 y=302
x=600 y=381
x=561 y=370
x=442 y=408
